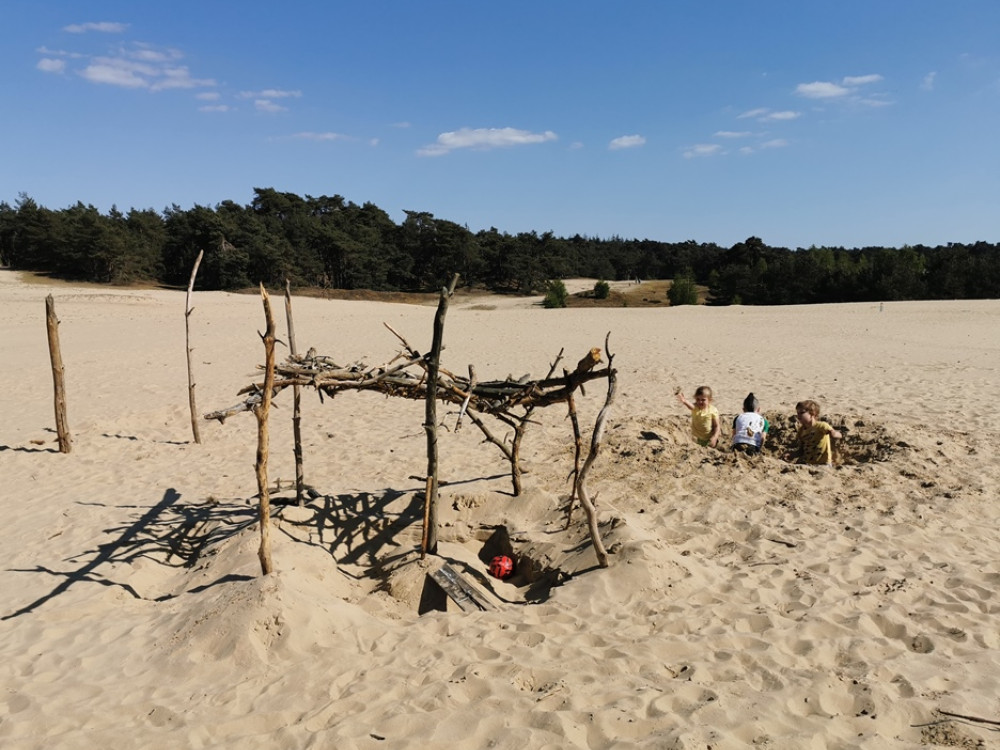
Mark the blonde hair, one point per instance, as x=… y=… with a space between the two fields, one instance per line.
x=703 y=390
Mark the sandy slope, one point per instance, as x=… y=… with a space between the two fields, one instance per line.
x=748 y=602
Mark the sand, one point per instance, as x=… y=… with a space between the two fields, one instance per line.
x=748 y=602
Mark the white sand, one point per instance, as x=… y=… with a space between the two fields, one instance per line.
x=748 y=602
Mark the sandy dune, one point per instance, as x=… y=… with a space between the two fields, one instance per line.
x=749 y=602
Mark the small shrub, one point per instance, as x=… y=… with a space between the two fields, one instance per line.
x=555 y=294
x=602 y=289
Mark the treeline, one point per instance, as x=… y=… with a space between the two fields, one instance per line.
x=329 y=242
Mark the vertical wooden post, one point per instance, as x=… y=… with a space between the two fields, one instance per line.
x=429 y=540
x=296 y=399
x=595 y=445
x=187 y=339
x=58 y=372
x=261 y=411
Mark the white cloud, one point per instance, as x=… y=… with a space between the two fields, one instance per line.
x=48 y=65
x=483 y=139
x=783 y=115
x=702 y=149
x=774 y=143
x=821 y=90
x=179 y=78
x=108 y=27
x=116 y=72
x=831 y=90
x=627 y=141
x=733 y=134
x=266 y=105
x=146 y=53
x=208 y=96
x=928 y=83
x=142 y=67
x=861 y=80
x=763 y=114
x=401 y=124
x=215 y=108
x=270 y=94
x=310 y=136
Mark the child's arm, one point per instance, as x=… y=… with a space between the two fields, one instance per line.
x=713 y=439
x=683 y=400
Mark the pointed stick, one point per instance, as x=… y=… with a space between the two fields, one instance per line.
x=261 y=412
x=296 y=399
x=429 y=540
x=187 y=339
x=58 y=376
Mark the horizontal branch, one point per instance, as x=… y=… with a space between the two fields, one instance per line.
x=497 y=397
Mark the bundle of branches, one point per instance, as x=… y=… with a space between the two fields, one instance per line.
x=496 y=397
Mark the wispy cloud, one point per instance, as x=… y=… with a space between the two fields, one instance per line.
x=785 y=114
x=215 y=108
x=264 y=99
x=821 y=90
x=266 y=105
x=107 y=27
x=702 y=149
x=271 y=94
x=142 y=69
x=861 y=80
x=627 y=141
x=483 y=139
x=130 y=66
x=311 y=136
x=763 y=114
x=59 y=53
x=928 y=83
x=733 y=134
x=49 y=65
x=834 y=90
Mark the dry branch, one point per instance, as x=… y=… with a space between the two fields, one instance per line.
x=58 y=376
x=187 y=339
x=261 y=411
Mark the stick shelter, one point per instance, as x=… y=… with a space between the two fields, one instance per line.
x=413 y=375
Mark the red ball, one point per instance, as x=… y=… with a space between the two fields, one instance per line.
x=501 y=566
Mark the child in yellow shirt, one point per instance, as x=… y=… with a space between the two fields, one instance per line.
x=705 y=425
x=814 y=435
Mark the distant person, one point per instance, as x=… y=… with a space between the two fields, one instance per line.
x=814 y=436
x=750 y=428
x=705 y=426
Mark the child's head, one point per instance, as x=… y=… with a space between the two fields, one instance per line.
x=703 y=396
x=750 y=403
x=807 y=411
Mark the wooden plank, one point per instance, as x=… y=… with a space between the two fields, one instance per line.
x=461 y=591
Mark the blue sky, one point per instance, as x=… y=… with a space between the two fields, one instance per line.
x=847 y=123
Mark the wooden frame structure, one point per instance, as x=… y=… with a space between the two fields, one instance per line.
x=419 y=376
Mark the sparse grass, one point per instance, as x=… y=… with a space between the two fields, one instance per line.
x=643 y=294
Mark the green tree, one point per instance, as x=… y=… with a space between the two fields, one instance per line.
x=683 y=290
x=555 y=294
